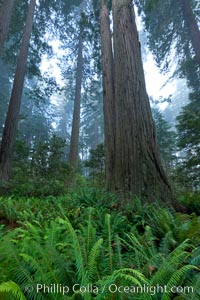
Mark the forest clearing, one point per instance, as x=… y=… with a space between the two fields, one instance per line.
x=100 y=149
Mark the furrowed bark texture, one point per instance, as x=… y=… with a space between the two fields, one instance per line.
x=74 y=142
x=137 y=166
x=108 y=93
x=192 y=26
x=5 y=17
x=10 y=128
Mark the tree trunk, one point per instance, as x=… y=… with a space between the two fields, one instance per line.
x=5 y=17
x=74 y=142
x=108 y=93
x=138 y=167
x=10 y=128
x=192 y=26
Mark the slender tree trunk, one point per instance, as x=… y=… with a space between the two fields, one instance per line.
x=74 y=143
x=192 y=26
x=108 y=93
x=137 y=167
x=5 y=17
x=10 y=128
x=28 y=137
x=96 y=135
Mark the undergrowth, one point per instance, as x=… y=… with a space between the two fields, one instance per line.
x=82 y=239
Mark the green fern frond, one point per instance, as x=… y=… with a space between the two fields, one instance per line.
x=76 y=247
x=130 y=275
x=90 y=231
x=175 y=259
x=119 y=254
x=88 y=235
x=21 y=273
x=162 y=219
x=195 y=259
x=110 y=251
x=167 y=243
x=195 y=283
x=150 y=239
x=180 y=252
x=176 y=279
x=141 y=255
x=123 y=277
x=92 y=260
x=136 y=245
x=12 y=288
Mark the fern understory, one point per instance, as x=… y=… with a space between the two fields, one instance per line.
x=83 y=240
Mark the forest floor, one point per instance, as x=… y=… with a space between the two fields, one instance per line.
x=82 y=246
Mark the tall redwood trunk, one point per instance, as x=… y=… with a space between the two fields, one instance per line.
x=192 y=26
x=74 y=142
x=138 y=168
x=10 y=128
x=5 y=17
x=108 y=93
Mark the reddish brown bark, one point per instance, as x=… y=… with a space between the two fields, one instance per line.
x=5 y=17
x=108 y=93
x=192 y=26
x=10 y=127
x=74 y=142
x=138 y=167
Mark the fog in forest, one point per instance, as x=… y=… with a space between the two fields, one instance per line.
x=99 y=149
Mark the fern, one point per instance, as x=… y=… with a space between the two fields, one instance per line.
x=123 y=277
x=162 y=221
x=193 y=278
x=136 y=276
x=12 y=288
x=90 y=231
x=92 y=260
x=119 y=254
x=88 y=235
x=110 y=252
x=68 y=249
x=195 y=259
x=171 y=264
x=38 y=260
x=145 y=252
x=176 y=279
x=76 y=247
x=167 y=243
x=150 y=240
x=195 y=283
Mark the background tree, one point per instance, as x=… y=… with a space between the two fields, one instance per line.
x=174 y=32
x=86 y=108
x=5 y=84
x=38 y=46
x=96 y=163
x=188 y=128
x=166 y=140
x=169 y=27
x=74 y=142
x=178 y=99
x=10 y=128
x=5 y=17
x=192 y=27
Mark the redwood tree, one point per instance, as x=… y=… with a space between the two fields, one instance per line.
x=5 y=17
x=74 y=142
x=172 y=25
x=10 y=127
x=138 y=168
x=192 y=26
x=108 y=92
